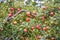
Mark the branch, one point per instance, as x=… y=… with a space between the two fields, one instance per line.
x=9 y=18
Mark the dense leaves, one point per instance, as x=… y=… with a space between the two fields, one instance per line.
x=19 y=22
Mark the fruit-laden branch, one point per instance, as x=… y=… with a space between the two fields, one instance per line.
x=9 y=18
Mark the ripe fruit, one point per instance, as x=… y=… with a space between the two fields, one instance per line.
x=38 y=26
x=28 y=13
x=11 y=9
x=15 y=22
x=52 y=38
x=18 y=9
x=25 y=30
x=32 y=28
x=44 y=7
x=10 y=14
x=38 y=37
x=51 y=13
x=45 y=28
x=27 y=19
x=43 y=17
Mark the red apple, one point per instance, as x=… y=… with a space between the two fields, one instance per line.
x=28 y=13
x=10 y=14
x=11 y=9
x=32 y=28
x=44 y=7
x=51 y=13
x=43 y=17
x=38 y=37
x=18 y=9
x=45 y=28
x=25 y=30
x=27 y=19
x=38 y=26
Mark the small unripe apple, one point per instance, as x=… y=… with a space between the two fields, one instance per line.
x=34 y=13
x=42 y=14
x=1 y=29
x=59 y=8
x=52 y=38
x=15 y=22
x=11 y=12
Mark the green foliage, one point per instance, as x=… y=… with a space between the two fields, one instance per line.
x=11 y=31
